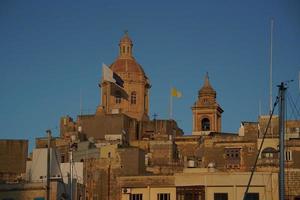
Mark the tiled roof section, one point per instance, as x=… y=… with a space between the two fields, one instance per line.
x=126 y=65
x=207 y=89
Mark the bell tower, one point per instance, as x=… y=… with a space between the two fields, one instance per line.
x=207 y=112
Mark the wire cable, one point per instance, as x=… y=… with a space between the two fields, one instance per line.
x=295 y=110
x=261 y=145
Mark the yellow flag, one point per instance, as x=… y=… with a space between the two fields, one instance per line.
x=175 y=93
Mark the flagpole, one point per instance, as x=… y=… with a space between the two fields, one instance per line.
x=80 y=106
x=107 y=93
x=171 y=103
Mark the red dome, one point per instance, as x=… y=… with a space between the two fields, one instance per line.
x=127 y=65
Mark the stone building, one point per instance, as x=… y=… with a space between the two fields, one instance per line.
x=199 y=184
x=122 y=119
x=13 y=156
x=31 y=191
x=123 y=111
x=133 y=98
x=125 y=155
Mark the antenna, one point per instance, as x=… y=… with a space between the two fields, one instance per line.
x=259 y=107
x=80 y=106
x=299 y=80
x=271 y=62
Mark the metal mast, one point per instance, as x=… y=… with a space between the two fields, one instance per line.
x=48 y=163
x=271 y=73
x=282 y=90
x=271 y=63
x=71 y=174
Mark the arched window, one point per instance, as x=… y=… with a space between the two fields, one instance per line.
x=133 y=98
x=269 y=153
x=118 y=97
x=205 y=124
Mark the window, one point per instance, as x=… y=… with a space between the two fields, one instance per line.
x=269 y=153
x=190 y=192
x=232 y=157
x=252 y=196
x=220 y=196
x=136 y=196
x=251 y=149
x=288 y=156
x=118 y=97
x=205 y=124
x=133 y=98
x=297 y=198
x=163 y=196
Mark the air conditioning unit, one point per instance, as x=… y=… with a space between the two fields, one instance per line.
x=126 y=190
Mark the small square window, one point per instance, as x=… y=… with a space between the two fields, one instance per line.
x=136 y=196
x=163 y=196
x=252 y=196
x=220 y=196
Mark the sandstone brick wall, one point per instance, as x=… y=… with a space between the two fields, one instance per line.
x=292 y=180
x=13 y=155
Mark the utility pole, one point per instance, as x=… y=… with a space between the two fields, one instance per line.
x=73 y=147
x=48 y=163
x=71 y=174
x=108 y=181
x=282 y=90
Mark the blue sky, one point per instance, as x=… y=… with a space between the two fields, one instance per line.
x=52 y=50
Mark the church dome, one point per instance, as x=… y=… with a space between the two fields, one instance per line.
x=207 y=89
x=125 y=62
x=123 y=65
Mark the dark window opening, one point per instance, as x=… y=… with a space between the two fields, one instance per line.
x=62 y=158
x=137 y=130
x=252 y=196
x=163 y=196
x=220 y=196
x=133 y=98
x=118 y=97
x=136 y=196
x=205 y=124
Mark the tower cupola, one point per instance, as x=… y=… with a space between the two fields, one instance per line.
x=207 y=89
x=125 y=46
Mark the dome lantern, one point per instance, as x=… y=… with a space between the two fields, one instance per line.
x=125 y=46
